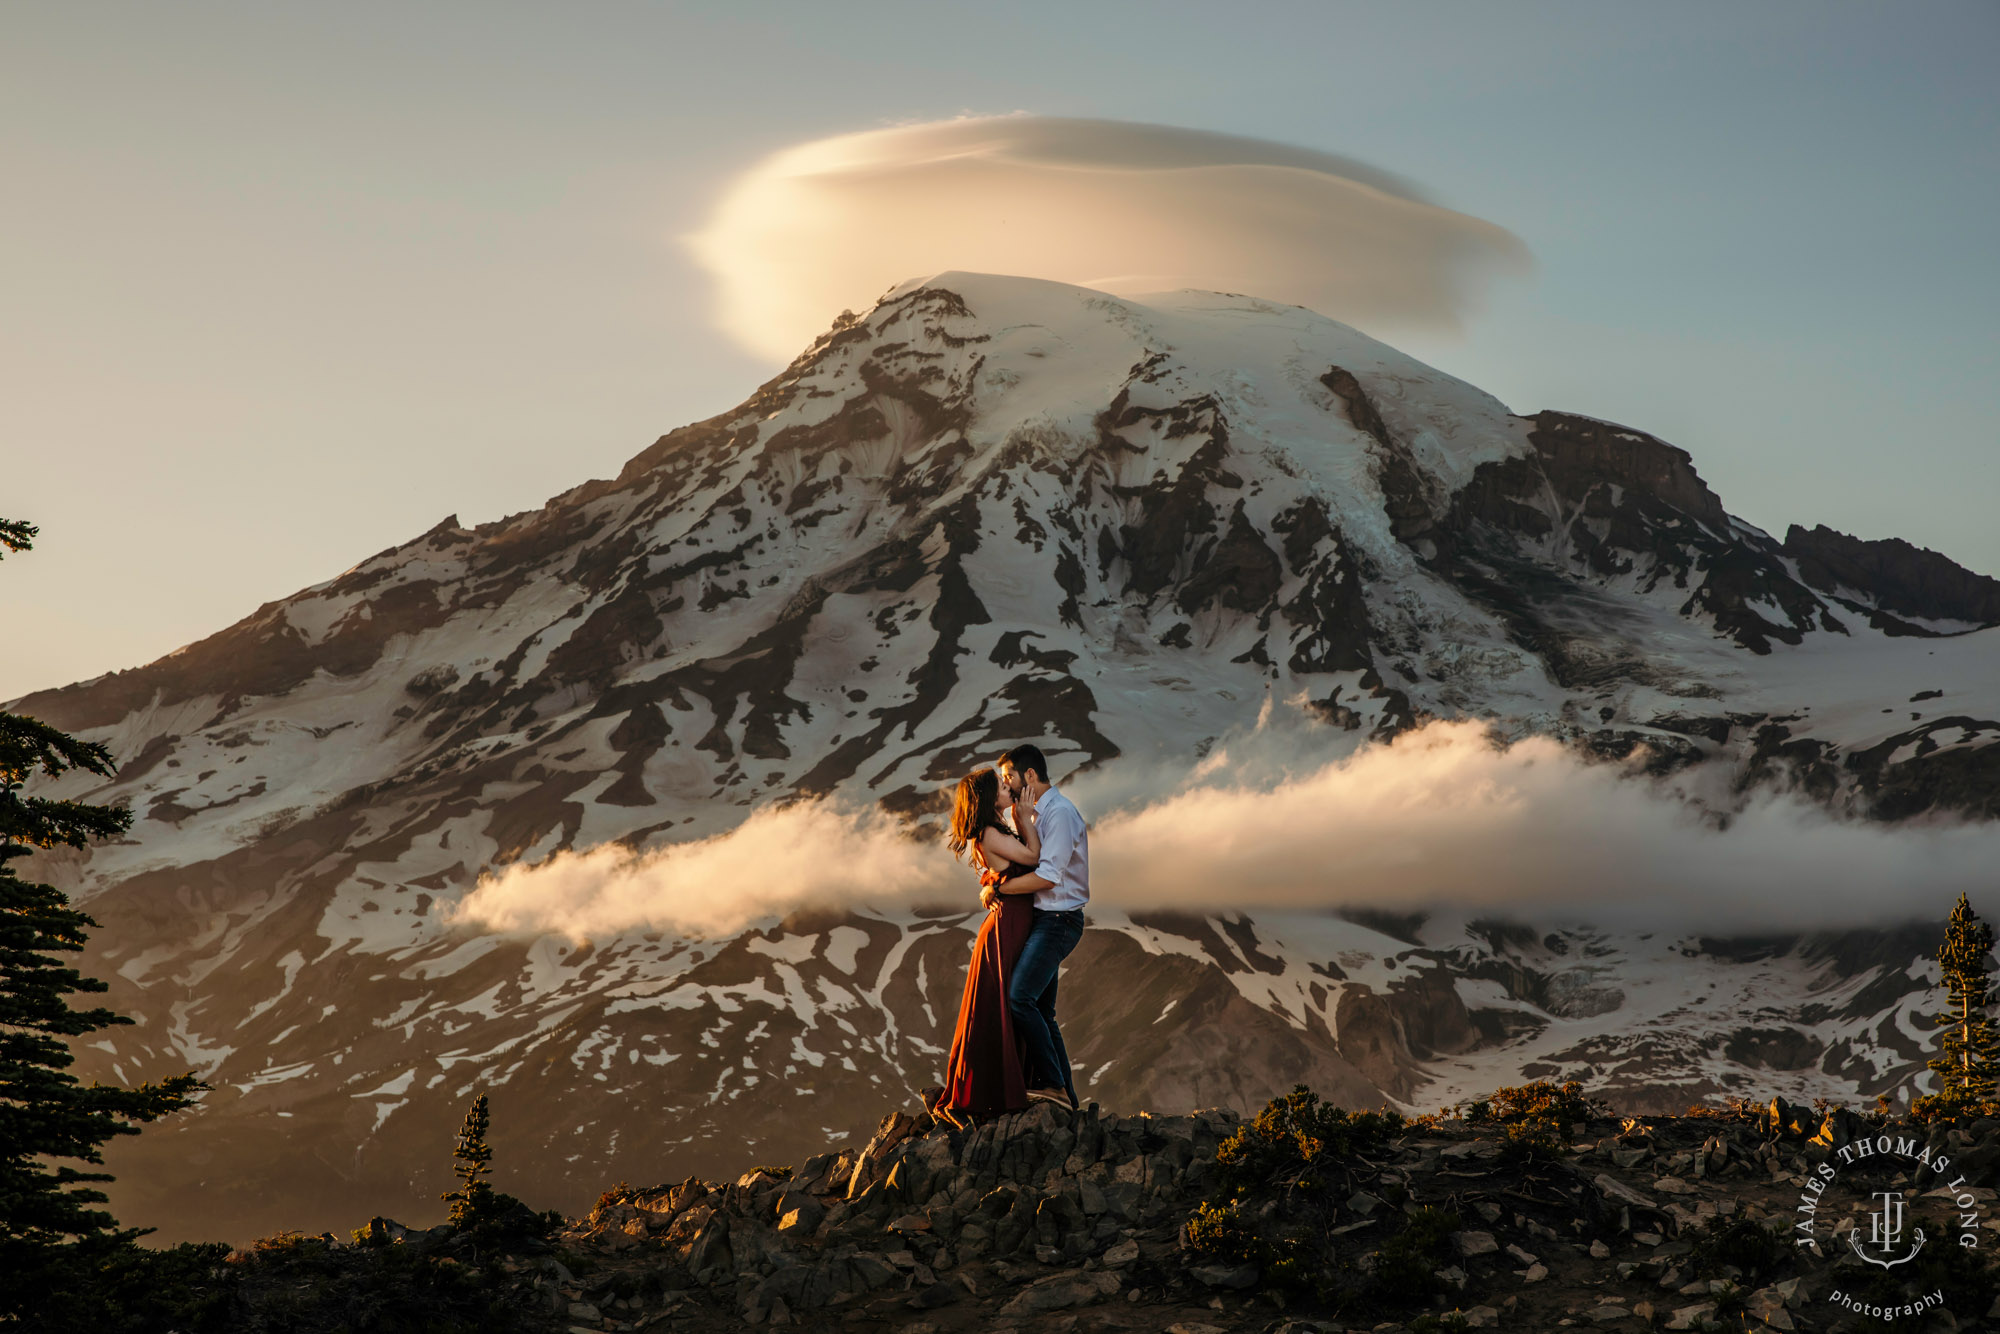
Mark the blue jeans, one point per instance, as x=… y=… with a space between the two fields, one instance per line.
x=1031 y=997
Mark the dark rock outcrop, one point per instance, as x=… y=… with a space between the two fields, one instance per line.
x=1892 y=575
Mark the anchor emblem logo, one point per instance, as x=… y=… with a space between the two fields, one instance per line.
x=1885 y=1233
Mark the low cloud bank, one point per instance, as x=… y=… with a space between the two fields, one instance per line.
x=777 y=861
x=1442 y=818
x=1123 y=207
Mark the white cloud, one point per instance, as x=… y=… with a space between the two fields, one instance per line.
x=1444 y=817
x=1129 y=208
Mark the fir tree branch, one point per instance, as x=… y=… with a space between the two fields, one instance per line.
x=17 y=535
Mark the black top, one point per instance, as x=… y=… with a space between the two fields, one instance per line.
x=1013 y=869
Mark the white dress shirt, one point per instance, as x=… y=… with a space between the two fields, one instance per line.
x=1065 y=860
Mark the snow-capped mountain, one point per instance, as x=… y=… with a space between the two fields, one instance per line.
x=990 y=510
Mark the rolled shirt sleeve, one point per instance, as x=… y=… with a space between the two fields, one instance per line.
x=1059 y=836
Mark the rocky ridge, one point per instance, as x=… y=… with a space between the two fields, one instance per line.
x=1053 y=1220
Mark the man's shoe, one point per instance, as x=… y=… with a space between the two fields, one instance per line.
x=1060 y=1097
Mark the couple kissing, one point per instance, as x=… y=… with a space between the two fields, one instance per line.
x=1032 y=851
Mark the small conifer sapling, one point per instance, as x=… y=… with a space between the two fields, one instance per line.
x=473 y=1202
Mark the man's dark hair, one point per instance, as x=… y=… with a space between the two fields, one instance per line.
x=1027 y=759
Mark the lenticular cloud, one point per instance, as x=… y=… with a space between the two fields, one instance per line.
x=1127 y=208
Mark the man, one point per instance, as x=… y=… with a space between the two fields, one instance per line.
x=1061 y=886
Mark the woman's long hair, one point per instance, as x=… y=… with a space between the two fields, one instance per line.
x=973 y=807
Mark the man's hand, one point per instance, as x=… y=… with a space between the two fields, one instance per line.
x=989 y=897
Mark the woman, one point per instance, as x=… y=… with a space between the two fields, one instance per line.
x=982 y=1076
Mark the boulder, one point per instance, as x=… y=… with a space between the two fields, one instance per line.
x=709 y=1259
x=840 y=1174
x=1618 y=1190
x=1840 y=1128
x=941 y=1293
x=800 y=1220
x=895 y=1128
x=1059 y=1292
x=974 y=1240
x=1015 y=1232
x=1782 y=1118
x=1089 y=1141
x=1475 y=1243
x=813 y=1173
x=1234 y=1277
x=1058 y=1218
x=1090 y=1198
x=1122 y=1199
x=931 y=1164
x=871 y=1271
x=895 y=1183
x=1768 y=1305
x=659 y=1205
x=785 y=1285
x=685 y=1225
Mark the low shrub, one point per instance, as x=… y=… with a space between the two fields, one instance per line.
x=1406 y=1268
x=1219 y=1232
x=1450 y=1322
x=1754 y=1251
x=1563 y=1105
x=122 y=1288
x=610 y=1199
x=1951 y=1109
x=1539 y=1118
x=1295 y=1133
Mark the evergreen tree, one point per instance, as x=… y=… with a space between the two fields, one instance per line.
x=48 y=1120
x=474 y=1201
x=1971 y=1046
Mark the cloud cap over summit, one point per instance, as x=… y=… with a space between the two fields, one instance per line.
x=1125 y=207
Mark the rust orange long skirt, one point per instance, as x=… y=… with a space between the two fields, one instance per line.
x=983 y=1074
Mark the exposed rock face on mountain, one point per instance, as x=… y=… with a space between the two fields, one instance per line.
x=990 y=510
x=1936 y=596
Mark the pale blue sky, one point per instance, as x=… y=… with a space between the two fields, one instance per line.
x=284 y=285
